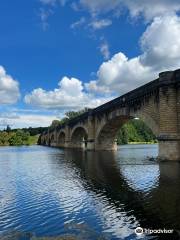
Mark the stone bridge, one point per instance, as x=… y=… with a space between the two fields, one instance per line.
x=157 y=103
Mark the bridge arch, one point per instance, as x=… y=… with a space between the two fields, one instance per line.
x=107 y=131
x=52 y=139
x=61 y=139
x=79 y=137
x=44 y=140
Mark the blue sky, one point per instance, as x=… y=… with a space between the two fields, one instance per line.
x=60 y=55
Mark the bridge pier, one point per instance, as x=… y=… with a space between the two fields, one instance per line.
x=169 y=137
x=169 y=150
x=107 y=146
x=90 y=144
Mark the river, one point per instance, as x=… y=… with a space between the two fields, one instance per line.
x=70 y=194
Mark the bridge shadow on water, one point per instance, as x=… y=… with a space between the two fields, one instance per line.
x=148 y=193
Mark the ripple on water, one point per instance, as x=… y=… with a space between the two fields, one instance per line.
x=84 y=195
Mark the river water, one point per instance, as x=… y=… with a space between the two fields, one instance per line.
x=68 y=194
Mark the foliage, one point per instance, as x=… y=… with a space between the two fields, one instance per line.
x=19 y=138
x=73 y=114
x=4 y=138
x=55 y=123
x=68 y=116
x=135 y=131
x=16 y=138
x=32 y=131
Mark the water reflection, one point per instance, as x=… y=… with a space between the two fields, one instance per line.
x=87 y=195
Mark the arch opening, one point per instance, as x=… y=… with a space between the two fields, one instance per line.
x=61 y=139
x=79 y=138
x=51 y=140
x=44 y=142
x=124 y=130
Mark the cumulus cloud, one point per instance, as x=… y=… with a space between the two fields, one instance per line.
x=151 y=9
x=69 y=95
x=120 y=75
x=160 y=52
x=161 y=43
x=9 y=88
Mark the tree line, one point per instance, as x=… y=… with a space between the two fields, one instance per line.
x=18 y=137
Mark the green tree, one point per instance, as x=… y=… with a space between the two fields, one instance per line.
x=15 y=140
x=55 y=123
x=8 y=129
x=19 y=138
x=73 y=114
x=135 y=131
x=4 y=137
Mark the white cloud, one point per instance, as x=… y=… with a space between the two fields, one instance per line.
x=44 y=15
x=100 y=6
x=26 y=120
x=78 y=23
x=120 y=74
x=161 y=51
x=153 y=8
x=100 y=24
x=104 y=49
x=8 y=115
x=51 y=2
x=160 y=46
x=136 y=8
x=69 y=95
x=148 y=9
x=34 y=120
x=161 y=43
x=9 y=88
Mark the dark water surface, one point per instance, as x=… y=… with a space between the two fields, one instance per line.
x=49 y=192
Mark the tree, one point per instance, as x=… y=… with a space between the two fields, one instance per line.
x=135 y=131
x=4 y=137
x=73 y=114
x=8 y=129
x=19 y=138
x=55 y=123
x=68 y=116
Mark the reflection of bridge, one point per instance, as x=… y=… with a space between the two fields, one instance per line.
x=156 y=206
x=156 y=103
